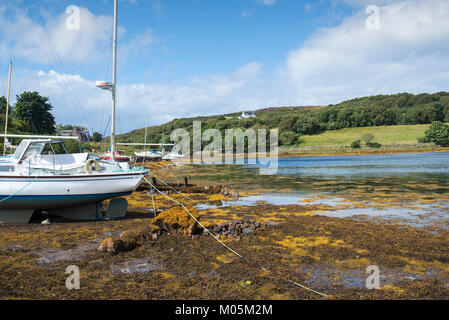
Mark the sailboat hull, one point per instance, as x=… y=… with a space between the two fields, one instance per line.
x=44 y=193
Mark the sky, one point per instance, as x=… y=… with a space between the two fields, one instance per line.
x=184 y=58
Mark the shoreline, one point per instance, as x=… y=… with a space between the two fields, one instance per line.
x=334 y=152
x=328 y=152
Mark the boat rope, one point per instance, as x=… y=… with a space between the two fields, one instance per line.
x=222 y=243
x=173 y=189
x=21 y=189
x=194 y=218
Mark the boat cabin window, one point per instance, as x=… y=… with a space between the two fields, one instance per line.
x=6 y=169
x=55 y=148
x=20 y=150
x=34 y=149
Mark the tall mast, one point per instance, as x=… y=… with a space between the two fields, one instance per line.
x=114 y=79
x=145 y=139
x=7 y=107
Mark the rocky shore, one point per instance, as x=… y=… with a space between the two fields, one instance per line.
x=167 y=254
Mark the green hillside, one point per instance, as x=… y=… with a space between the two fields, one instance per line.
x=310 y=125
x=398 y=134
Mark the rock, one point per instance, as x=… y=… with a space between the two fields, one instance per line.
x=112 y=245
x=46 y=222
x=247 y=231
x=130 y=239
x=177 y=221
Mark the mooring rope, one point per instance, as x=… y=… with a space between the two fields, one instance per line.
x=176 y=191
x=221 y=242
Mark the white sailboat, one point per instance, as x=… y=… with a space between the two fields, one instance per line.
x=68 y=185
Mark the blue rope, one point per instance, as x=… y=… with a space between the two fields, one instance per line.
x=23 y=188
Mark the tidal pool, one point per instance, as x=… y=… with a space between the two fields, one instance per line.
x=395 y=186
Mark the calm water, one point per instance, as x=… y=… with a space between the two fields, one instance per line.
x=365 y=165
x=407 y=186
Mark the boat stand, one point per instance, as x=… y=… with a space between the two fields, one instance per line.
x=16 y=215
x=117 y=208
x=90 y=211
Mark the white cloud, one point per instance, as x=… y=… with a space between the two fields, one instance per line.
x=137 y=44
x=249 y=71
x=410 y=52
x=23 y=37
x=160 y=102
x=266 y=2
x=90 y=44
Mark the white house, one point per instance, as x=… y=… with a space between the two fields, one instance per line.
x=246 y=115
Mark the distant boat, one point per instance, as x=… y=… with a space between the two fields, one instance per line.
x=173 y=156
x=149 y=154
x=119 y=156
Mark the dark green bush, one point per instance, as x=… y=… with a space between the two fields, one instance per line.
x=356 y=144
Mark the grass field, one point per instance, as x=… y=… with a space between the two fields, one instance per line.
x=399 y=134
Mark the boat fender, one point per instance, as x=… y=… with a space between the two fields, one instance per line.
x=92 y=164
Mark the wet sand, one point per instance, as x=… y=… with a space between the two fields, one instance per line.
x=305 y=244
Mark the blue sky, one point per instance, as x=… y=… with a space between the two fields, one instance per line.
x=181 y=58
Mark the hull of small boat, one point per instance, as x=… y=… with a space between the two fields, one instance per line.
x=52 y=192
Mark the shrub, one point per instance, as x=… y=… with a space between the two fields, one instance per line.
x=373 y=145
x=356 y=144
x=288 y=138
x=437 y=133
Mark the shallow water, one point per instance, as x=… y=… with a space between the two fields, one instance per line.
x=412 y=186
x=365 y=165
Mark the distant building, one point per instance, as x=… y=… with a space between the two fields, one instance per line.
x=246 y=115
x=77 y=132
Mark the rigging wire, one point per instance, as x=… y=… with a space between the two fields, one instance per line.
x=59 y=63
x=3 y=80
x=108 y=73
x=95 y=20
x=92 y=17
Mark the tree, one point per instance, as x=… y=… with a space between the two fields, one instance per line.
x=97 y=137
x=356 y=144
x=367 y=137
x=288 y=138
x=437 y=133
x=35 y=111
x=2 y=105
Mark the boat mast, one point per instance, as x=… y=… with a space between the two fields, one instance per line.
x=7 y=107
x=145 y=139
x=114 y=79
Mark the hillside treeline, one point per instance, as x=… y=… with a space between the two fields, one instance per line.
x=380 y=110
